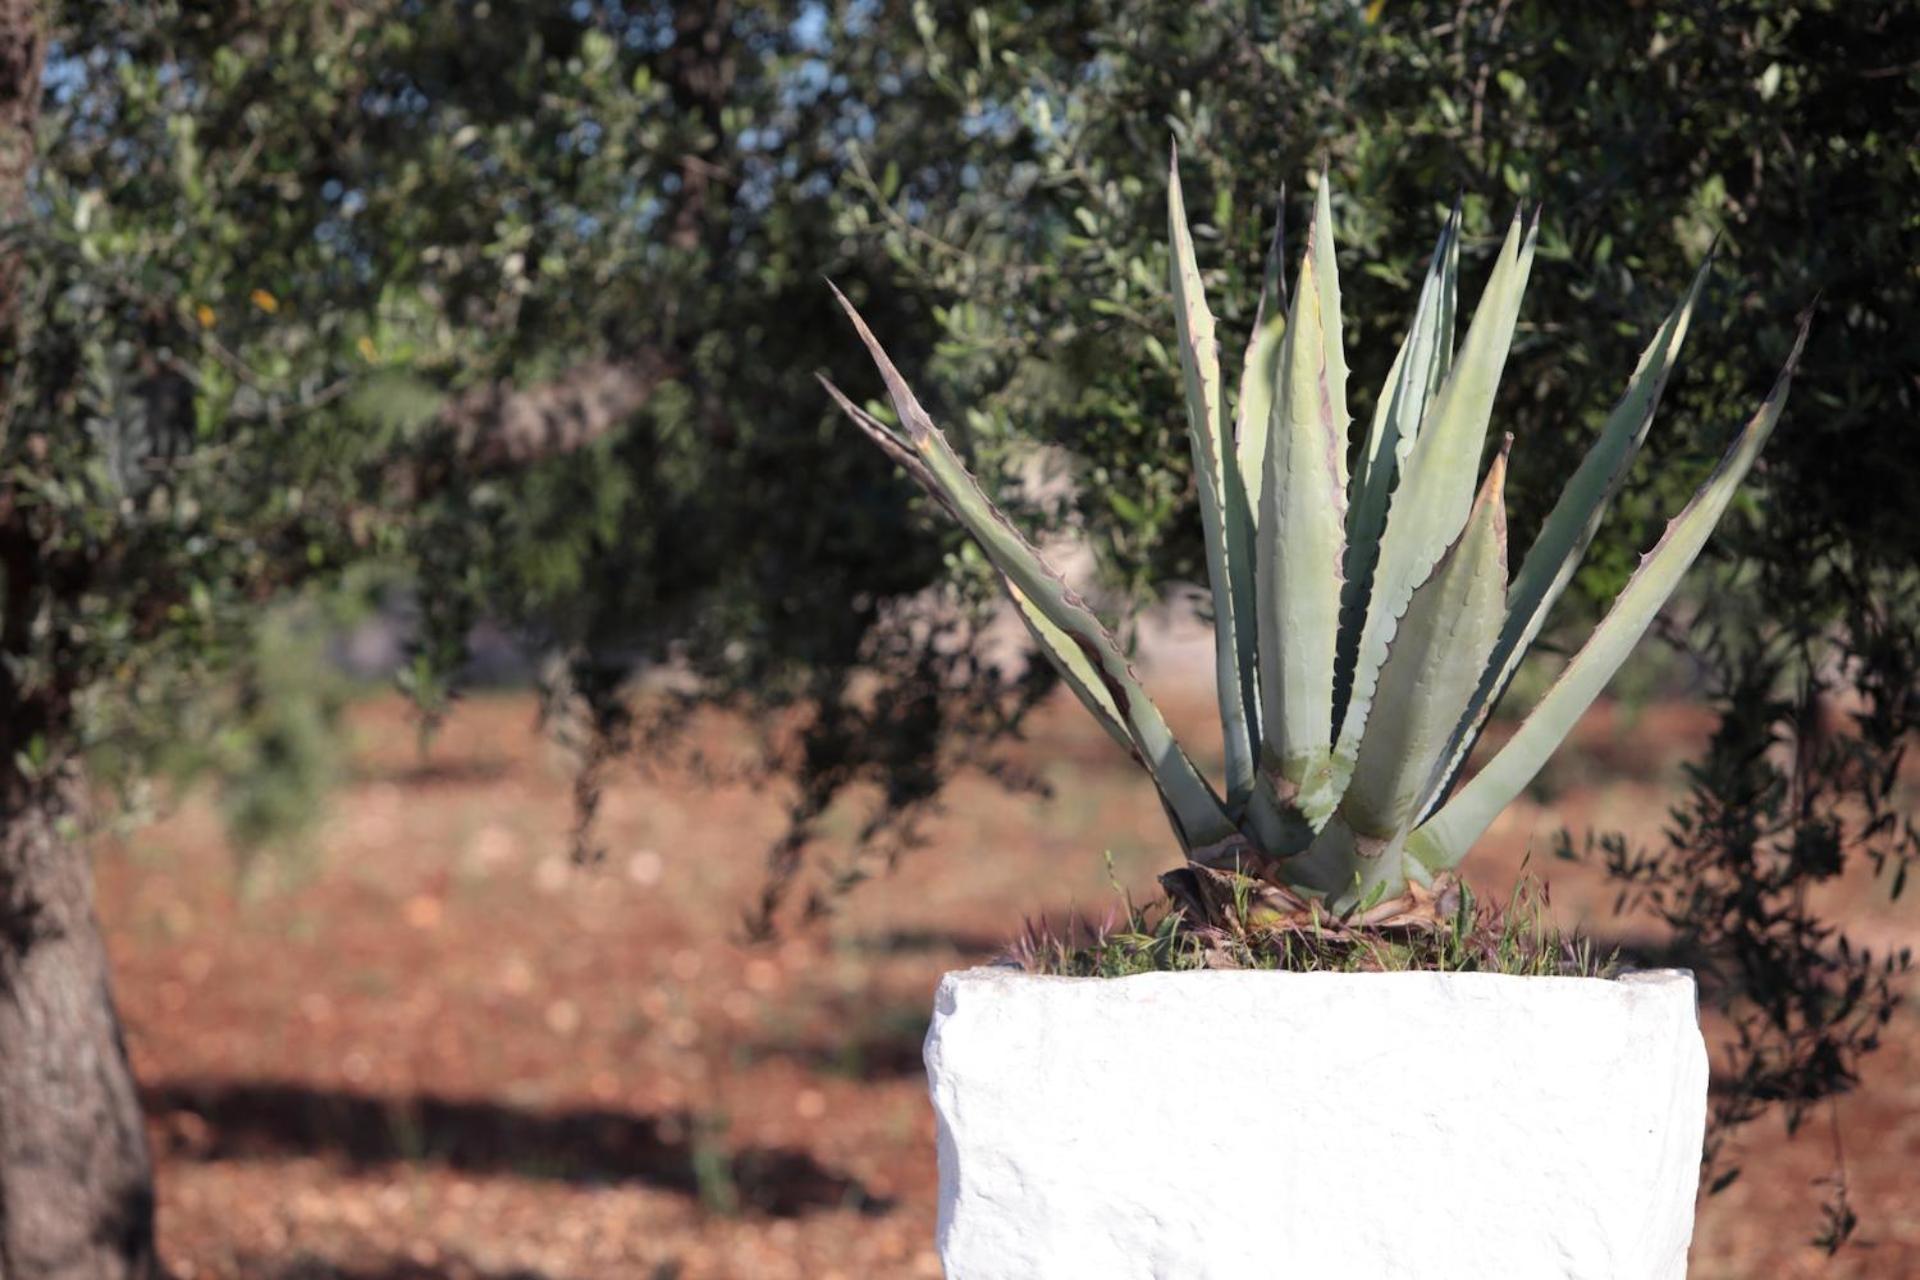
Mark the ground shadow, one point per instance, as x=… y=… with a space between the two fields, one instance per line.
x=871 y=1041
x=434 y=771
x=308 y=1267
x=219 y=1120
x=1634 y=949
x=883 y=1055
x=900 y=942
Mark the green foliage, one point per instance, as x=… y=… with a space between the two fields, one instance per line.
x=276 y=755
x=292 y=264
x=171 y=457
x=269 y=735
x=1597 y=113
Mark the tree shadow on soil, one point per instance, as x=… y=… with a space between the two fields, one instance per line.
x=913 y=942
x=307 y=1267
x=220 y=1120
x=434 y=772
x=871 y=1041
x=883 y=1055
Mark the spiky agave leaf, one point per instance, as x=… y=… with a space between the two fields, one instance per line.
x=1432 y=669
x=1260 y=370
x=1442 y=840
x=1252 y=420
x=1222 y=499
x=1198 y=817
x=1418 y=370
x=1569 y=528
x=1076 y=672
x=1326 y=278
x=1419 y=367
x=1302 y=537
x=1435 y=490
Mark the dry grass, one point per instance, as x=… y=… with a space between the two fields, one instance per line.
x=1518 y=936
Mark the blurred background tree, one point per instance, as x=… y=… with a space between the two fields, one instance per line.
x=518 y=306
x=519 y=300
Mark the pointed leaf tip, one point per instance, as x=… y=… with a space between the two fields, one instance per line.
x=1494 y=489
x=1497 y=472
x=1074 y=640
x=1792 y=366
x=913 y=416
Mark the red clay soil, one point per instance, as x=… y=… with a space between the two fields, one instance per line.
x=435 y=1048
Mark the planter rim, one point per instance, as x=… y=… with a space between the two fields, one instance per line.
x=996 y=973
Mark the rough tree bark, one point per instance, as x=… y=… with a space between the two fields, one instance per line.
x=23 y=50
x=76 y=1184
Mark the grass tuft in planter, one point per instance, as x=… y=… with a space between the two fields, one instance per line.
x=1365 y=620
x=1517 y=938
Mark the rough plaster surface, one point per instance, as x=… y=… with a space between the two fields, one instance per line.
x=1215 y=1125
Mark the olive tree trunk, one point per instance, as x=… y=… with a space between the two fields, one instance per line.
x=76 y=1185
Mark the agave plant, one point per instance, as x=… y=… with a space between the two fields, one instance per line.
x=1365 y=624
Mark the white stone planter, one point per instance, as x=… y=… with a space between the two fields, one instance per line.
x=1215 y=1126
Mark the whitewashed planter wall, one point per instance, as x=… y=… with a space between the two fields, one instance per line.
x=1221 y=1126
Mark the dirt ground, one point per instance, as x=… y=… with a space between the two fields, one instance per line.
x=439 y=1050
